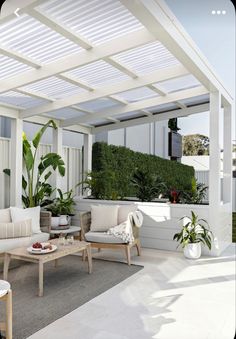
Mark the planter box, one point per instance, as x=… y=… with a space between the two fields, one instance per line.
x=161 y=220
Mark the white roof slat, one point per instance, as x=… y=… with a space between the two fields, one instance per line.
x=127 y=116
x=99 y=104
x=55 y=88
x=35 y=40
x=137 y=94
x=21 y=100
x=177 y=84
x=65 y=113
x=98 y=73
x=147 y=58
x=10 y=67
x=200 y=99
x=97 y=21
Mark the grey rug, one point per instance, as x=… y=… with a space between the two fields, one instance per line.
x=65 y=288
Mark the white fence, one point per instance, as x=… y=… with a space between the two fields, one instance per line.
x=203 y=177
x=73 y=163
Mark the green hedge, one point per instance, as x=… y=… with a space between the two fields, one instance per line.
x=119 y=163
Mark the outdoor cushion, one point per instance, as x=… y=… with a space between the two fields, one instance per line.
x=20 y=214
x=101 y=237
x=9 y=244
x=123 y=212
x=103 y=217
x=16 y=230
x=5 y=215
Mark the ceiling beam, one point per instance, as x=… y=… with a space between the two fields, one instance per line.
x=160 y=21
x=34 y=94
x=108 y=90
x=8 y=112
x=19 y=57
x=82 y=58
x=140 y=105
x=152 y=118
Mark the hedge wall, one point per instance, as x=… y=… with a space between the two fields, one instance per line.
x=119 y=163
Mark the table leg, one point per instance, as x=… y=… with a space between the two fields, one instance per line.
x=40 y=278
x=89 y=255
x=9 y=315
x=7 y=260
x=56 y=262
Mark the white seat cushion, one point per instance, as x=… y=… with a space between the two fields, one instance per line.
x=103 y=217
x=101 y=237
x=124 y=211
x=9 y=244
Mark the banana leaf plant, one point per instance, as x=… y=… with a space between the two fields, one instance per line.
x=36 y=189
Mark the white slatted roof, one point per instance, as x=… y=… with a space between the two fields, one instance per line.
x=101 y=63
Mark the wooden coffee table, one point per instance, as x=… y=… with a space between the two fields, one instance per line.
x=40 y=259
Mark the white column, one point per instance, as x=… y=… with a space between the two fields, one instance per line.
x=57 y=148
x=88 y=143
x=16 y=162
x=227 y=158
x=214 y=174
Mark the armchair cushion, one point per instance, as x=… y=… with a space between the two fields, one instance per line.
x=103 y=217
x=124 y=211
x=20 y=214
x=101 y=237
x=5 y=215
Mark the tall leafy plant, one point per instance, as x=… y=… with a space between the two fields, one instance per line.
x=36 y=189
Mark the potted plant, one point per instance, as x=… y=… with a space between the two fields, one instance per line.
x=194 y=232
x=61 y=208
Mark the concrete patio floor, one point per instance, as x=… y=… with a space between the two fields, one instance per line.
x=170 y=298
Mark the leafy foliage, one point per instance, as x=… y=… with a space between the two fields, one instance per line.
x=195 y=144
x=197 y=193
x=114 y=167
x=147 y=186
x=63 y=204
x=194 y=230
x=173 y=124
x=36 y=189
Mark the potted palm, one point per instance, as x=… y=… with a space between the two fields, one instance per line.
x=194 y=233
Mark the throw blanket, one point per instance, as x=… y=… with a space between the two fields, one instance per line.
x=124 y=230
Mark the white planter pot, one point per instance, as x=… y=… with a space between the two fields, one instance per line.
x=55 y=222
x=192 y=251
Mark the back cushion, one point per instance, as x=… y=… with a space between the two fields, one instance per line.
x=20 y=214
x=123 y=212
x=103 y=217
x=5 y=215
x=16 y=230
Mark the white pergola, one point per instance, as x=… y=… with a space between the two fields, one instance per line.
x=104 y=65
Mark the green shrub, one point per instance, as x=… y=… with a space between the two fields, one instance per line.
x=123 y=162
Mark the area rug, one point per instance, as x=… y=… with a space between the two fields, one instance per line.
x=65 y=288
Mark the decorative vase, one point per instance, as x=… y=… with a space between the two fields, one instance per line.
x=64 y=220
x=55 y=222
x=192 y=251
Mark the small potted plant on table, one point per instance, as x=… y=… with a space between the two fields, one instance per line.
x=194 y=232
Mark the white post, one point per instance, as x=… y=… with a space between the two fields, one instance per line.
x=88 y=143
x=16 y=162
x=57 y=148
x=214 y=172
x=227 y=158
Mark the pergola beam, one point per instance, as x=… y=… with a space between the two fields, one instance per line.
x=108 y=90
x=118 y=45
x=19 y=57
x=140 y=105
x=159 y=20
x=152 y=118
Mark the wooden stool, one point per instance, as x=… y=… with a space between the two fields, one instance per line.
x=6 y=295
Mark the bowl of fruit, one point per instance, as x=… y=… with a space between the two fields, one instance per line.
x=42 y=248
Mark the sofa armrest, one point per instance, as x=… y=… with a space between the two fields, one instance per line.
x=85 y=223
x=45 y=221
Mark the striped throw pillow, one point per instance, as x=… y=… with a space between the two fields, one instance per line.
x=16 y=229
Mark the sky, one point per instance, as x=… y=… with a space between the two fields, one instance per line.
x=215 y=36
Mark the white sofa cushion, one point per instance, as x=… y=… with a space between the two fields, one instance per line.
x=123 y=212
x=103 y=217
x=16 y=230
x=20 y=214
x=9 y=244
x=101 y=237
x=5 y=215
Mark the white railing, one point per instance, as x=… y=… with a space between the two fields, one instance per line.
x=71 y=156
